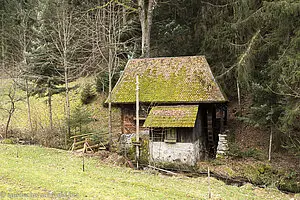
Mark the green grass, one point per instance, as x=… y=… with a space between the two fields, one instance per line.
x=42 y=172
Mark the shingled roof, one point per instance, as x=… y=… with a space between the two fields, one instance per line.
x=168 y=80
x=172 y=116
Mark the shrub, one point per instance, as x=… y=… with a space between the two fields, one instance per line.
x=144 y=151
x=54 y=138
x=7 y=141
x=80 y=117
x=87 y=94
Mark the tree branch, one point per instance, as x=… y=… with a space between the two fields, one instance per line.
x=217 y=6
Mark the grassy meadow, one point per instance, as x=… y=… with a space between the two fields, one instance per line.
x=44 y=173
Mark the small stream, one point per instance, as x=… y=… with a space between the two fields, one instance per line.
x=238 y=181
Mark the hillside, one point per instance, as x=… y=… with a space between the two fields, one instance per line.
x=40 y=172
x=92 y=117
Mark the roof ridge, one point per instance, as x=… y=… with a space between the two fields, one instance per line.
x=168 y=57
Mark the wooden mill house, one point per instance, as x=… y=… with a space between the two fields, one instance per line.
x=181 y=107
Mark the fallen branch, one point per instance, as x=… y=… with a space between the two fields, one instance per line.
x=163 y=170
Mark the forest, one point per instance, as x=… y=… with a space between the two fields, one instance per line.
x=252 y=46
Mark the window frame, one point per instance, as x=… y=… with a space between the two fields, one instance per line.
x=170 y=135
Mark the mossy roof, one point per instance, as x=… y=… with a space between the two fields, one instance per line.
x=172 y=116
x=168 y=80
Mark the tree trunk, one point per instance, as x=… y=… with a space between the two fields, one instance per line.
x=2 y=43
x=109 y=114
x=68 y=133
x=110 y=64
x=10 y=112
x=124 y=16
x=66 y=72
x=7 y=124
x=239 y=96
x=145 y=15
x=50 y=107
x=28 y=107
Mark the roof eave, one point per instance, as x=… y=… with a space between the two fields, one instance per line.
x=169 y=102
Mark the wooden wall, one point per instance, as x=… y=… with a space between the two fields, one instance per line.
x=128 y=121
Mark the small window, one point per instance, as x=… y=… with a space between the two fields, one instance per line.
x=170 y=135
x=157 y=135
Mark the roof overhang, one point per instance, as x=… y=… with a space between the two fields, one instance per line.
x=172 y=116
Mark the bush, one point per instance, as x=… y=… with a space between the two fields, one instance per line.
x=87 y=94
x=80 y=118
x=144 y=151
x=7 y=141
x=53 y=138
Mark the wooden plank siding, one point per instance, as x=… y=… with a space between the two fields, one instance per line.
x=128 y=119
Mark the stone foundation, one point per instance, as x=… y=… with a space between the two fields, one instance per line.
x=185 y=153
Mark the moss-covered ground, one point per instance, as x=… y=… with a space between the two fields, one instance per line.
x=249 y=170
x=32 y=171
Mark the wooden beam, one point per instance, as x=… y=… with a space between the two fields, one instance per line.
x=163 y=170
x=137 y=122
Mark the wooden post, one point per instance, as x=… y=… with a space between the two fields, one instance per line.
x=208 y=180
x=137 y=122
x=271 y=134
x=270 y=145
x=225 y=114
x=83 y=162
x=239 y=97
x=18 y=147
x=222 y=121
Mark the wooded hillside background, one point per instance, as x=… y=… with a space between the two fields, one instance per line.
x=253 y=47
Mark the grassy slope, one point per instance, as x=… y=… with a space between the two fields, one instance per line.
x=40 y=110
x=39 y=171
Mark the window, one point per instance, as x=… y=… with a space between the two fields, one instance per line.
x=170 y=135
x=157 y=134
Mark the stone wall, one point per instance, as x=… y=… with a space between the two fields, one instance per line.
x=222 y=145
x=186 y=153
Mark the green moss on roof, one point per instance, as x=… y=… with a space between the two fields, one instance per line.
x=172 y=116
x=163 y=80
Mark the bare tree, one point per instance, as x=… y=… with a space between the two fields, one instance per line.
x=9 y=106
x=65 y=35
x=23 y=64
x=21 y=37
x=105 y=33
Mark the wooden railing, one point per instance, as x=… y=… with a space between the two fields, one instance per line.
x=83 y=143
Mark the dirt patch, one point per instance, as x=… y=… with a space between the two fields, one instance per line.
x=246 y=137
x=111 y=158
